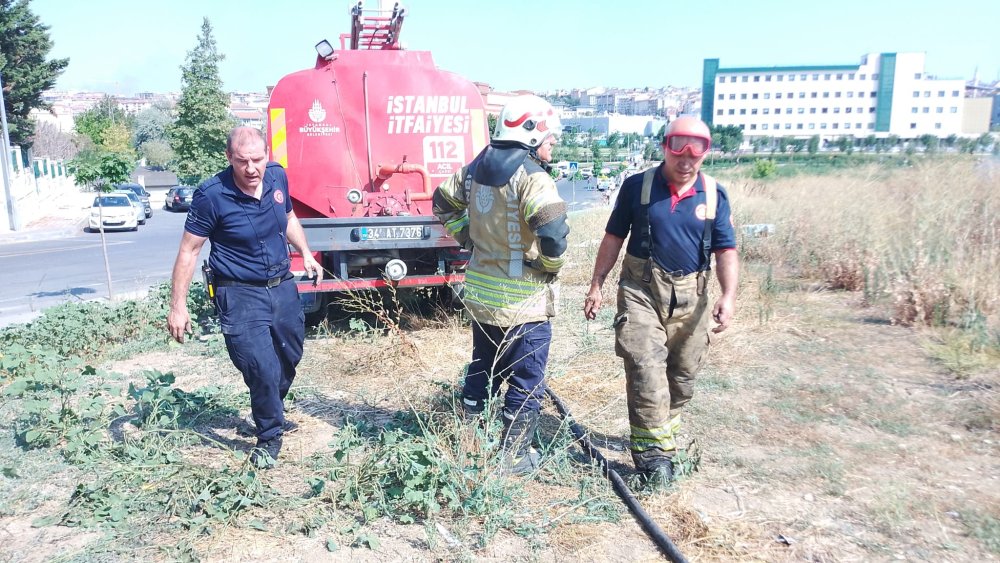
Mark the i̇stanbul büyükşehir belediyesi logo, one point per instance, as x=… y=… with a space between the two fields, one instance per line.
x=318 y=127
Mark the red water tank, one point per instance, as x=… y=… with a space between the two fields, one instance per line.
x=370 y=133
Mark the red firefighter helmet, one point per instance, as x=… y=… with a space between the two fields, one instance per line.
x=528 y=120
x=687 y=133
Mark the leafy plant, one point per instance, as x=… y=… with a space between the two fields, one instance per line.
x=59 y=406
x=160 y=405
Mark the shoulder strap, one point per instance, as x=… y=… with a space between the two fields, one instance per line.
x=711 y=203
x=711 y=195
x=644 y=227
x=647 y=184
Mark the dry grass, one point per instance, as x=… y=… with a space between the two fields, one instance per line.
x=826 y=433
x=925 y=239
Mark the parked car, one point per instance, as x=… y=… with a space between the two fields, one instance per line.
x=139 y=191
x=117 y=213
x=179 y=198
x=140 y=209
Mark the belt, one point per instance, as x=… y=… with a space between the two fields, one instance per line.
x=273 y=282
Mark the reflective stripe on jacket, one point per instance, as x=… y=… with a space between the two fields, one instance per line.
x=517 y=233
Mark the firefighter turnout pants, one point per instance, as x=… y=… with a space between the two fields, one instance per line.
x=661 y=333
x=516 y=355
x=264 y=330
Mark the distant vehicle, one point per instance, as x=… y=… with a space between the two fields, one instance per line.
x=179 y=198
x=139 y=191
x=140 y=209
x=117 y=213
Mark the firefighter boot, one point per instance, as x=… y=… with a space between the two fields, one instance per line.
x=472 y=409
x=655 y=467
x=265 y=454
x=518 y=431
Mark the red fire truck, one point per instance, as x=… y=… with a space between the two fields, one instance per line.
x=365 y=136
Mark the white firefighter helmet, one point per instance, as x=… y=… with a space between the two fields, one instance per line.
x=528 y=120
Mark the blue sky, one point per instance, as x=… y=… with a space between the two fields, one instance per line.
x=127 y=46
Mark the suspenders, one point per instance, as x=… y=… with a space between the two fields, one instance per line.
x=646 y=230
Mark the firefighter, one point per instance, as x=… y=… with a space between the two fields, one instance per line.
x=504 y=207
x=246 y=213
x=677 y=217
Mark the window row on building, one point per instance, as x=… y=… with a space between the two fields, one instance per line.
x=802 y=110
x=812 y=95
x=803 y=126
x=778 y=111
x=802 y=77
x=940 y=93
x=792 y=95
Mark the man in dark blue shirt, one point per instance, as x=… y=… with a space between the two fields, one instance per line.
x=677 y=218
x=246 y=213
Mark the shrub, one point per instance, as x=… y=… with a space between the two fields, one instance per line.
x=764 y=168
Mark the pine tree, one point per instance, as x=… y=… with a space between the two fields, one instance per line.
x=24 y=44
x=198 y=137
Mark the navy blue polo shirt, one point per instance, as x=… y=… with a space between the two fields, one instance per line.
x=248 y=236
x=677 y=228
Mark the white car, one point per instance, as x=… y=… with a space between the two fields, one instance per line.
x=117 y=213
x=140 y=208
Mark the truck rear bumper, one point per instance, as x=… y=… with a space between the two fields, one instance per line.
x=307 y=286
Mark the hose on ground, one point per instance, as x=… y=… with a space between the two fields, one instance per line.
x=652 y=529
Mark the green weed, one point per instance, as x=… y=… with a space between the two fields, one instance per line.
x=985 y=528
x=160 y=405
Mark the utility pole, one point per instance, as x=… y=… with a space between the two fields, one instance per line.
x=8 y=180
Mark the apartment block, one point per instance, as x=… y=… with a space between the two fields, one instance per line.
x=885 y=94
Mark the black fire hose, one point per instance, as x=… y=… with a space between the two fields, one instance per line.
x=652 y=529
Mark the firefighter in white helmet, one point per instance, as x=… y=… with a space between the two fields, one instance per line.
x=504 y=206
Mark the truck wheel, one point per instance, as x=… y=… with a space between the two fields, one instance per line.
x=449 y=297
x=316 y=317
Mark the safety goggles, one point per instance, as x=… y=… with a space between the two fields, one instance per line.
x=696 y=146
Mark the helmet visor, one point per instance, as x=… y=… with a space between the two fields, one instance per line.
x=696 y=146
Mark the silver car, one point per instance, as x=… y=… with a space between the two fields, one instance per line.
x=140 y=209
x=139 y=191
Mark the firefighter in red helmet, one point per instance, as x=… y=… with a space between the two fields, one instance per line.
x=678 y=217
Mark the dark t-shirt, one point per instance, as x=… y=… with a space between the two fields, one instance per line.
x=248 y=236
x=677 y=228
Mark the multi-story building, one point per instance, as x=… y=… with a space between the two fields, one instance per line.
x=886 y=94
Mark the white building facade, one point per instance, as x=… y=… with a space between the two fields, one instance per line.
x=886 y=94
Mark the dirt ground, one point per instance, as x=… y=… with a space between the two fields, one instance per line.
x=825 y=434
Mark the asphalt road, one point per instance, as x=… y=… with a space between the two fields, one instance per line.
x=583 y=196
x=40 y=274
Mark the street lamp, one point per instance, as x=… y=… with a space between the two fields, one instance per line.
x=5 y=164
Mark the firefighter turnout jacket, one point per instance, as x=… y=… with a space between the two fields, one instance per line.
x=505 y=208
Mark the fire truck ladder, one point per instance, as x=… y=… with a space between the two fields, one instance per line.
x=374 y=29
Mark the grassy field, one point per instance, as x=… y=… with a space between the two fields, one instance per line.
x=850 y=414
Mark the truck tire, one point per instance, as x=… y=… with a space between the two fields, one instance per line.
x=318 y=316
x=449 y=297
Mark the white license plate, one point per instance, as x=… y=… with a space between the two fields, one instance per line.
x=392 y=233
